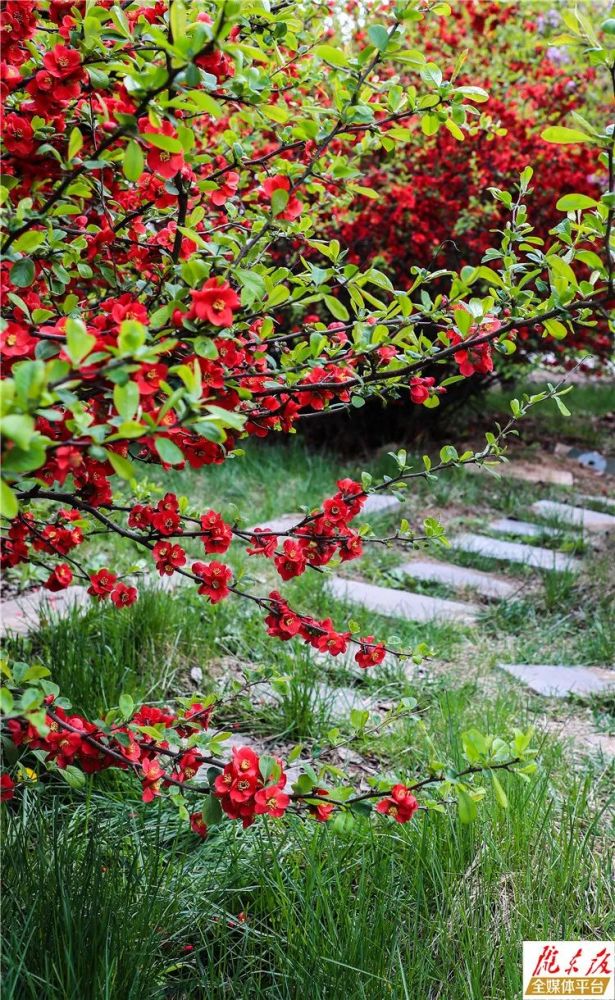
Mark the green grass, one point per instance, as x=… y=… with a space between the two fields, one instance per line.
x=107 y=898
x=110 y=902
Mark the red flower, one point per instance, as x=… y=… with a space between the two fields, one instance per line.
x=216 y=578
x=216 y=535
x=215 y=302
x=271 y=800
x=419 y=389
x=198 y=824
x=102 y=583
x=18 y=135
x=401 y=806
x=226 y=190
x=16 y=342
x=161 y=161
x=152 y=779
x=151 y=715
x=370 y=652
x=292 y=562
x=7 y=787
x=122 y=595
x=140 y=516
x=245 y=761
x=330 y=641
x=293 y=207
x=149 y=377
x=263 y=543
x=60 y=578
x=62 y=62
x=168 y=557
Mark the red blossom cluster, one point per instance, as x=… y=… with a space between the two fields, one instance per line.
x=249 y=785
x=242 y=792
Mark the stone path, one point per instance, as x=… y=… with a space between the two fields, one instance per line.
x=530 y=555
x=399 y=604
x=487 y=584
x=561 y=682
x=22 y=614
x=528 y=529
x=605 y=501
x=526 y=471
x=583 y=517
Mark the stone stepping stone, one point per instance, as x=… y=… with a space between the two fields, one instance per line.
x=582 y=517
x=400 y=604
x=379 y=503
x=510 y=526
x=560 y=682
x=376 y=504
x=22 y=614
x=605 y=501
x=527 y=472
x=530 y=555
x=487 y=584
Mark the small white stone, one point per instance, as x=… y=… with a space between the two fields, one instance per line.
x=22 y=614
x=379 y=503
x=487 y=584
x=510 y=526
x=399 y=604
x=530 y=555
x=560 y=682
x=592 y=520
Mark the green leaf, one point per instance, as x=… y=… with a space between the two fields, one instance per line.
x=555 y=328
x=134 y=161
x=336 y=308
x=22 y=272
x=331 y=55
x=28 y=242
x=358 y=718
x=75 y=143
x=126 y=399
x=161 y=141
x=123 y=467
x=6 y=701
x=562 y=135
x=212 y=810
x=378 y=36
x=126 y=706
x=467 y=806
x=279 y=201
x=476 y=94
x=575 y=202
x=8 y=501
x=72 y=776
x=500 y=794
x=79 y=342
x=169 y=452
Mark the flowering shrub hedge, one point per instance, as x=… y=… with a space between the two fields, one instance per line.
x=426 y=197
x=168 y=293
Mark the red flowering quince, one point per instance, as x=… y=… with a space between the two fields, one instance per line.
x=60 y=578
x=370 y=653
x=162 y=160
x=292 y=208
x=400 y=806
x=102 y=583
x=215 y=577
x=215 y=302
x=215 y=534
x=123 y=595
x=168 y=557
x=198 y=825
